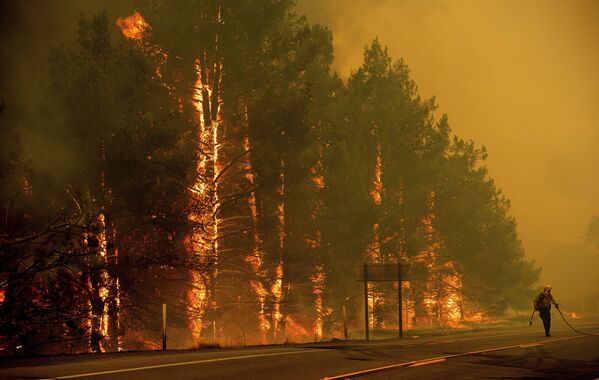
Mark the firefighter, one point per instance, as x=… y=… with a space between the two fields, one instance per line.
x=543 y=304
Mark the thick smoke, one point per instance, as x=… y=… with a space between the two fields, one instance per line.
x=29 y=30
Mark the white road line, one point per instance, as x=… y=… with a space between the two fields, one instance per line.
x=438 y=359
x=180 y=364
x=529 y=345
x=427 y=362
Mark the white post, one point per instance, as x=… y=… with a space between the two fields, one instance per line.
x=164 y=327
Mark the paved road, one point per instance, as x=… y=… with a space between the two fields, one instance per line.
x=515 y=353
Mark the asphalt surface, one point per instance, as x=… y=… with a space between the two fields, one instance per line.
x=519 y=352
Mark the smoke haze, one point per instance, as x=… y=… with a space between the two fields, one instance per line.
x=518 y=77
x=29 y=29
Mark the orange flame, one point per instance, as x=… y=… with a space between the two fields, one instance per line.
x=376 y=298
x=374 y=248
x=318 y=279
x=573 y=315
x=196 y=298
x=443 y=300
x=133 y=26
x=203 y=242
x=373 y=251
x=104 y=320
x=317 y=176
x=277 y=292
x=277 y=285
x=26 y=186
x=314 y=242
x=451 y=302
x=377 y=182
x=256 y=258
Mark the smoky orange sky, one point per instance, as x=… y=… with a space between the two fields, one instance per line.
x=519 y=77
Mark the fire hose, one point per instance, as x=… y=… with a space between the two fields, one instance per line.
x=570 y=326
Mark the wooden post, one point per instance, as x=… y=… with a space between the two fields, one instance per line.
x=366 y=317
x=163 y=327
x=399 y=301
x=344 y=322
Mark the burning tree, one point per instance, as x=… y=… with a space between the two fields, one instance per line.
x=133 y=168
x=231 y=64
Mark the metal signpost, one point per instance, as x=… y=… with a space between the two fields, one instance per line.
x=383 y=272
